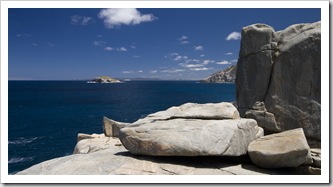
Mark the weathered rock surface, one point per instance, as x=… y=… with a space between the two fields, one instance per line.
x=117 y=160
x=285 y=149
x=282 y=69
x=111 y=128
x=188 y=137
x=191 y=130
x=254 y=64
x=265 y=119
x=218 y=111
x=96 y=142
x=224 y=76
x=316 y=157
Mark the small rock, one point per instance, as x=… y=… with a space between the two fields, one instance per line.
x=285 y=149
x=259 y=106
x=266 y=120
x=82 y=136
x=111 y=128
x=316 y=157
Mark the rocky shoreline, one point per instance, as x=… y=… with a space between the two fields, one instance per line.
x=274 y=128
x=183 y=141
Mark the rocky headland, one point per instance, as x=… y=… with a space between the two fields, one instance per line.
x=272 y=129
x=104 y=79
x=224 y=76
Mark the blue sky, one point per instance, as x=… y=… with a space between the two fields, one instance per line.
x=76 y=44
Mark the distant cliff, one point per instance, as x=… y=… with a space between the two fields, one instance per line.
x=104 y=79
x=226 y=75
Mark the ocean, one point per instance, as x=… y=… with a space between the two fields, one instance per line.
x=44 y=117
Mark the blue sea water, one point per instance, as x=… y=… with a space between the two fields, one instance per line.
x=44 y=117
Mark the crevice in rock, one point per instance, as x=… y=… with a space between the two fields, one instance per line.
x=228 y=171
x=270 y=76
x=174 y=173
x=274 y=50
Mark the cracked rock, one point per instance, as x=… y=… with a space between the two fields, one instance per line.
x=191 y=130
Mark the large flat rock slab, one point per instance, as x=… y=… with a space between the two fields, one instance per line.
x=190 y=137
x=218 y=111
x=285 y=149
x=116 y=160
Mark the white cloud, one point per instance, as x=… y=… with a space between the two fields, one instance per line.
x=173 y=71
x=34 y=44
x=198 y=48
x=80 y=20
x=176 y=57
x=205 y=62
x=128 y=16
x=223 y=62
x=183 y=40
x=200 y=69
x=140 y=71
x=108 y=48
x=234 y=36
x=50 y=44
x=23 y=34
x=228 y=53
x=122 y=49
x=234 y=60
x=192 y=60
x=136 y=56
x=179 y=57
x=202 y=55
x=127 y=72
x=171 y=55
x=99 y=35
x=185 y=65
x=99 y=43
x=153 y=71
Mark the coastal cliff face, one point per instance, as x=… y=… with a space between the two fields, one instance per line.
x=282 y=69
x=224 y=76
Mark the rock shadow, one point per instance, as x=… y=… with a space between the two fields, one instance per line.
x=209 y=162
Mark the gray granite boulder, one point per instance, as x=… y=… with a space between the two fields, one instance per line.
x=294 y=94
x=254 y=64
x=191 y=130
x=190 y=137
x=285 y=149
x=283 y=70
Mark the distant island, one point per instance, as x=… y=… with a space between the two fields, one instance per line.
x=104 y=79
x=224 y=76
